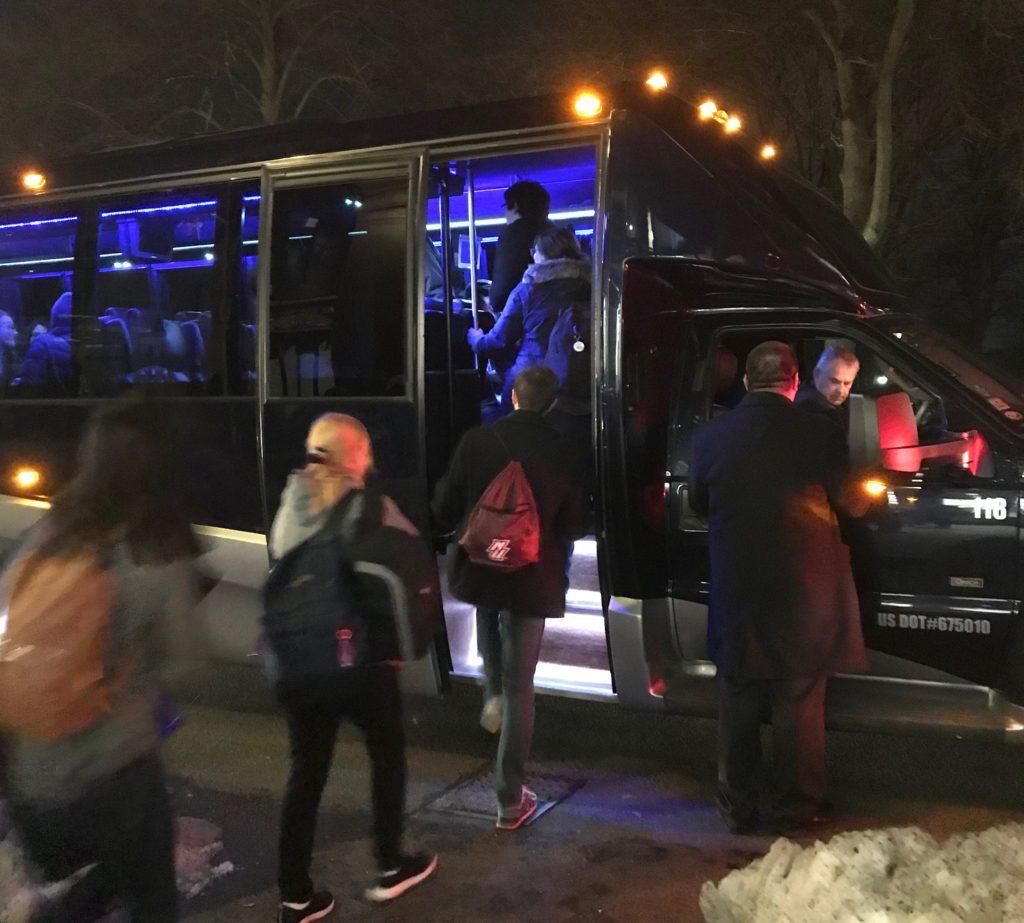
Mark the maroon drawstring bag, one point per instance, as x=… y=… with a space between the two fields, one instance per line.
x=503 y=530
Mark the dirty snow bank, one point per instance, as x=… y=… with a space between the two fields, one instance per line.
x=898 y=875
x=197 y=846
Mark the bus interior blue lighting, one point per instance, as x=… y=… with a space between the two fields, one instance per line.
x=38 y=224
x=156 y=209
x=121 y=265
x=8 y=264
x=566 y=215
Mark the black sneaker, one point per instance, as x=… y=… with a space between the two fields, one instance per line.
x=316 y=908
x=396 y=882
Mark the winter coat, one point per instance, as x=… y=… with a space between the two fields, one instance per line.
x=47 y=367
x=154 y=632
x=768 y=476
x=531 y=312
x=550 y=464
x=512 y=255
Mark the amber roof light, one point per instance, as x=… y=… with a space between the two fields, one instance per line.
x=33 y=181
x=587 y=104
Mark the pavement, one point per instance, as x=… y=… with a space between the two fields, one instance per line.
x=635 y=842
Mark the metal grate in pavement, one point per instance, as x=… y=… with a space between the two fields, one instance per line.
x=473 y=794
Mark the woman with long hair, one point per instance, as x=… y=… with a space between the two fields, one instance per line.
x=97 y=795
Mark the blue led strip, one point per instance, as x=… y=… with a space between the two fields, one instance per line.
x=184 y=206
x=492 y=222
x=38 y=224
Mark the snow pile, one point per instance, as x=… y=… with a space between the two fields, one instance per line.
x=899 y=875
x=197 y=844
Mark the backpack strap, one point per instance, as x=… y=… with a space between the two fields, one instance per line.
x=504 y=445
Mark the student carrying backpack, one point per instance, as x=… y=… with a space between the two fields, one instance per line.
x=353 y=593
x=479 y=501
x=99 y=616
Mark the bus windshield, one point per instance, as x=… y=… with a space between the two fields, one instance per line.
x=1001 y=390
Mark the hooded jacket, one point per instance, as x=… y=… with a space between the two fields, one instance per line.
x=531 y=312
x=47 y=364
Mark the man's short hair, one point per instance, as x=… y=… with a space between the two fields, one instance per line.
x=529 y=198
x=535 y=388
x=771 y=365
x=832 y=354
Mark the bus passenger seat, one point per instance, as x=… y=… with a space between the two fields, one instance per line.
x=195 y=350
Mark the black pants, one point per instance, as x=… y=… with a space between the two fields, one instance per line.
x=798 y=742
x=122 y=823
x=315 y=709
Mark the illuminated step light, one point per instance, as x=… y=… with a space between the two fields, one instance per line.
x=33 y=181
x=769 y=151
x=587 y=104
x=656 y=81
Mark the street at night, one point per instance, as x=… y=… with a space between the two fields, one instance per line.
x=635 y=843
x=372 y=373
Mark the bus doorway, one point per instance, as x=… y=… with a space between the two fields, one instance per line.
x=473 y=260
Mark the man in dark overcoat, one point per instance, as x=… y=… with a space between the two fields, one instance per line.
x=783 y=615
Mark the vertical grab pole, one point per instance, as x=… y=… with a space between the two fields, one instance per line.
x=471 y=208
x=446 y=275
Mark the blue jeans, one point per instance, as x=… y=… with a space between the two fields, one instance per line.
x=510 y=647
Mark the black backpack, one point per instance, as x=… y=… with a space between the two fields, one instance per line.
x=358 y=591
x=312 y=622
x=569 y=353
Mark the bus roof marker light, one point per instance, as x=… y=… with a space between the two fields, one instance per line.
x=707 y=109
x=26 y=478
x=732 y=125
x=33 y=181
x=769 y=151
x=587 y=104
x=656 y=81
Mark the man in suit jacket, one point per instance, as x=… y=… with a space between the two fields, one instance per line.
x=512 y=606
x=783 y=612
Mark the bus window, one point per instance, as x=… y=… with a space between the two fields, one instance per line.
x=668 y=205
x=36 y=260
x=155 y=291
x=338 y=283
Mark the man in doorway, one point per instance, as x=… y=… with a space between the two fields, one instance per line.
x=526 y=215
x=834 y=374
x=783 y=613
x=512 y=605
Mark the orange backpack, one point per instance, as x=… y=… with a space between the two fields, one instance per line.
x=54 y=638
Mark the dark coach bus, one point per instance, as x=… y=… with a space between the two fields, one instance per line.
x=251 y=281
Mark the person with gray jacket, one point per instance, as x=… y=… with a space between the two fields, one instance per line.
x=97 y=796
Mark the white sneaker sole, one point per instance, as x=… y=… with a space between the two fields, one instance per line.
x=379 y=895
x=518 y=821
x=319 y=915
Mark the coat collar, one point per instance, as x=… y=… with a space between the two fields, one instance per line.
x=536 y=273
x=765 y=399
